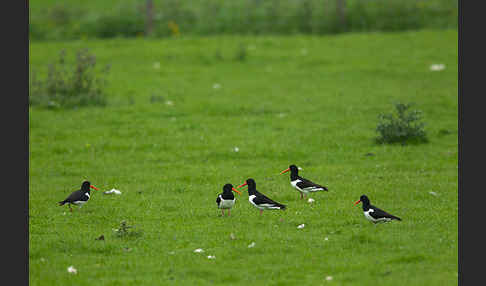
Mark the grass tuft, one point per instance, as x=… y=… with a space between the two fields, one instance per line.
x=70 y=85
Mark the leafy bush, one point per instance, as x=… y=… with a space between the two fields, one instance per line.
x=123 y=20
x=404 y=126
x=69 y=85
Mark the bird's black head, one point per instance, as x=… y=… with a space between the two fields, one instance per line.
x=227 y=188
x=86 y=186
x=294 y=171
x=363 y=199
x=251 y=185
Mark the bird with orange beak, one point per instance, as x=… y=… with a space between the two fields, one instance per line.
x=302 y=185
x=259 y=200
x=79 y=197
x=226 y=200
x=374 y=214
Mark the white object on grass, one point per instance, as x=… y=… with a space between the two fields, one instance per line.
x=301 y=226
x=112 y=191
x=437 y=67
x=251 y=245
x=71 y=269
x=198 y=250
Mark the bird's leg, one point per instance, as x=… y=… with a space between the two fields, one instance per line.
x=70 y=209
x=301 y=196
x=229 y=214
x=261 y=211
x=222 y=212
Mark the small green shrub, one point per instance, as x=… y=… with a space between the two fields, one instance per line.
x=241 y=53
x=70 y=85
x=126 y=230
x=404 y=126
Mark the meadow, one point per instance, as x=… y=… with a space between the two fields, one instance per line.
x=186 y=115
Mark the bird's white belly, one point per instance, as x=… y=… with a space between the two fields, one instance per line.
x=262 y=206
x=372 y=219
x=294 y=184
x=250 y=199
x=305 y=190
x=79 y=203
x=226 y=204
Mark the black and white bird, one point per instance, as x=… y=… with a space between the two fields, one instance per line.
x=226 y=200
x=259 y=200
x=79 y=197
x=373 y=213
x=302 y=185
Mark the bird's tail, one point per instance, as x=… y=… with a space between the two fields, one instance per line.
x=395 y=217
x=322 y=187
x=282 y=207
x=61 y=203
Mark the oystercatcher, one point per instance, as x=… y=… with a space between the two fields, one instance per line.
x=302 y=185
x=226 y=200
x=79 y=197
x=259 y=200
x=373 y=213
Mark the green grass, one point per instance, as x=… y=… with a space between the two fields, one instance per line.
x=311 y=101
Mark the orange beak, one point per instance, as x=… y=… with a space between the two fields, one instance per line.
x=236 y=191
x=242 y=185
x=359 y=201
x=285 y=171
x=93 y=187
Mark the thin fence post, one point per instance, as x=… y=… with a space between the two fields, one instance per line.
x=149 y=18
x=341 y=12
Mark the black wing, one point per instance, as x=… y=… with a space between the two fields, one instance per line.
x=218 y=199
x=75 y=196
x=228 y=196
x=304 y=184
x=379 y=213
x=262 y=199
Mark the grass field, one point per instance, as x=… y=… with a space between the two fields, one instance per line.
x=311 y=101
